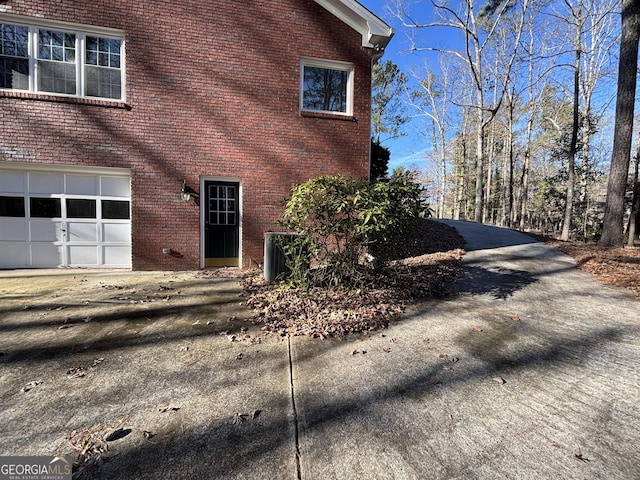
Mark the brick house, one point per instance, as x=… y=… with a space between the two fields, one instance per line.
x=165 y=135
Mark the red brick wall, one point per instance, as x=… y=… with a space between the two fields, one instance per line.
x=212 y=89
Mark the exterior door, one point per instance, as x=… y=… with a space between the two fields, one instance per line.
x=222 y=224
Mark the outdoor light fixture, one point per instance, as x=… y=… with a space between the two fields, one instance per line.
x=187 y=192
x=184 y=194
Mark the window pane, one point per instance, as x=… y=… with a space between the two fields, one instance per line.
x=114 y=61
x=115 y=209
x=11 y=206
x=57 y=46
x=91 y=57
x=45 y=207
x=103 y=82
x=103 y=52
x=325 y=89
x=92 y=44
x=57 y=77
x=14 y=65
x=13 y=40
x=14 y=73
x=81 y=208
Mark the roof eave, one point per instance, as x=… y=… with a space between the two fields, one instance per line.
x=375 y=33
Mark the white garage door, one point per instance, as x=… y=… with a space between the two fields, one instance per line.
x=70 y=218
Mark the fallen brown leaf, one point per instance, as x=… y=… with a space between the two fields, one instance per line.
x=31 y=385
x=77 y=372
x=238 y=418
x=581 y=458
x=432 y=261
x=168 y=409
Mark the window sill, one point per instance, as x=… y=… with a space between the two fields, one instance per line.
x=328 y=116
x=98 y=102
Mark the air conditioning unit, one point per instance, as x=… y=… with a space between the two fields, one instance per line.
x=275 y=261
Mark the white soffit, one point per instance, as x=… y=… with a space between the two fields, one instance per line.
x=375 y=33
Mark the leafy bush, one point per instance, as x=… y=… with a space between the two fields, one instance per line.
x=347 y=228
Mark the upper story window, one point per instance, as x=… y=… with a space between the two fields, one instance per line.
x=326 y=86
x=56 y=60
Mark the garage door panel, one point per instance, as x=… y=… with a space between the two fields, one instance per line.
x=115 y=187
x=46 y=255
x=13 y=229
x=82 y=232
x=81 y=185
x=117 y=256
x=117 y=232
x=45 y=183
x=45 y=231
x=12 y=182
x=14 y=255
x=83 y=255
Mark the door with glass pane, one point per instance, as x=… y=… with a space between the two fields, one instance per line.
x=221 y=224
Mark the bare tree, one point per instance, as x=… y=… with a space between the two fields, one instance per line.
x=598 y=43
x=478 y=28
x=538 y=59
x=577 y=14
x=432 y=99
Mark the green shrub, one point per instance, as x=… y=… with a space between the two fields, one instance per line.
x=346 y=227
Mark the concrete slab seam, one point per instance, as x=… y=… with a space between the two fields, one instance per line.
x=295 y=411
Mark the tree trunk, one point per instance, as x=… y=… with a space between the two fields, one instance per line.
x=635 y=209
x=573 y=147
x=477 y=216
x=612 y=233
x=486 y=208
x=443 y=173
x=586 y=167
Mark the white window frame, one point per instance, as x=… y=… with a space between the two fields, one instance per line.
x=329 y=65
x=81 y=32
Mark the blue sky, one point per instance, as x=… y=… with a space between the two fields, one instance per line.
x=411 y=151
x=408 y=150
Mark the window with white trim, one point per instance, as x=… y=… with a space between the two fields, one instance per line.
x=55 y=60
x=326 y=86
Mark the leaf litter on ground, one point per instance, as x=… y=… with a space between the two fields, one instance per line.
x=432 y=261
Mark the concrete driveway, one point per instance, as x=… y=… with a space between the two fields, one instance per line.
x=531 y=372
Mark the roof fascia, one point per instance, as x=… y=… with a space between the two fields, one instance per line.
x=375 y=33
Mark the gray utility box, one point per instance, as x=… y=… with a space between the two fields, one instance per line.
x=275 y=261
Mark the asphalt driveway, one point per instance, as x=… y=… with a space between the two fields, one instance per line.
x=531 y=372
